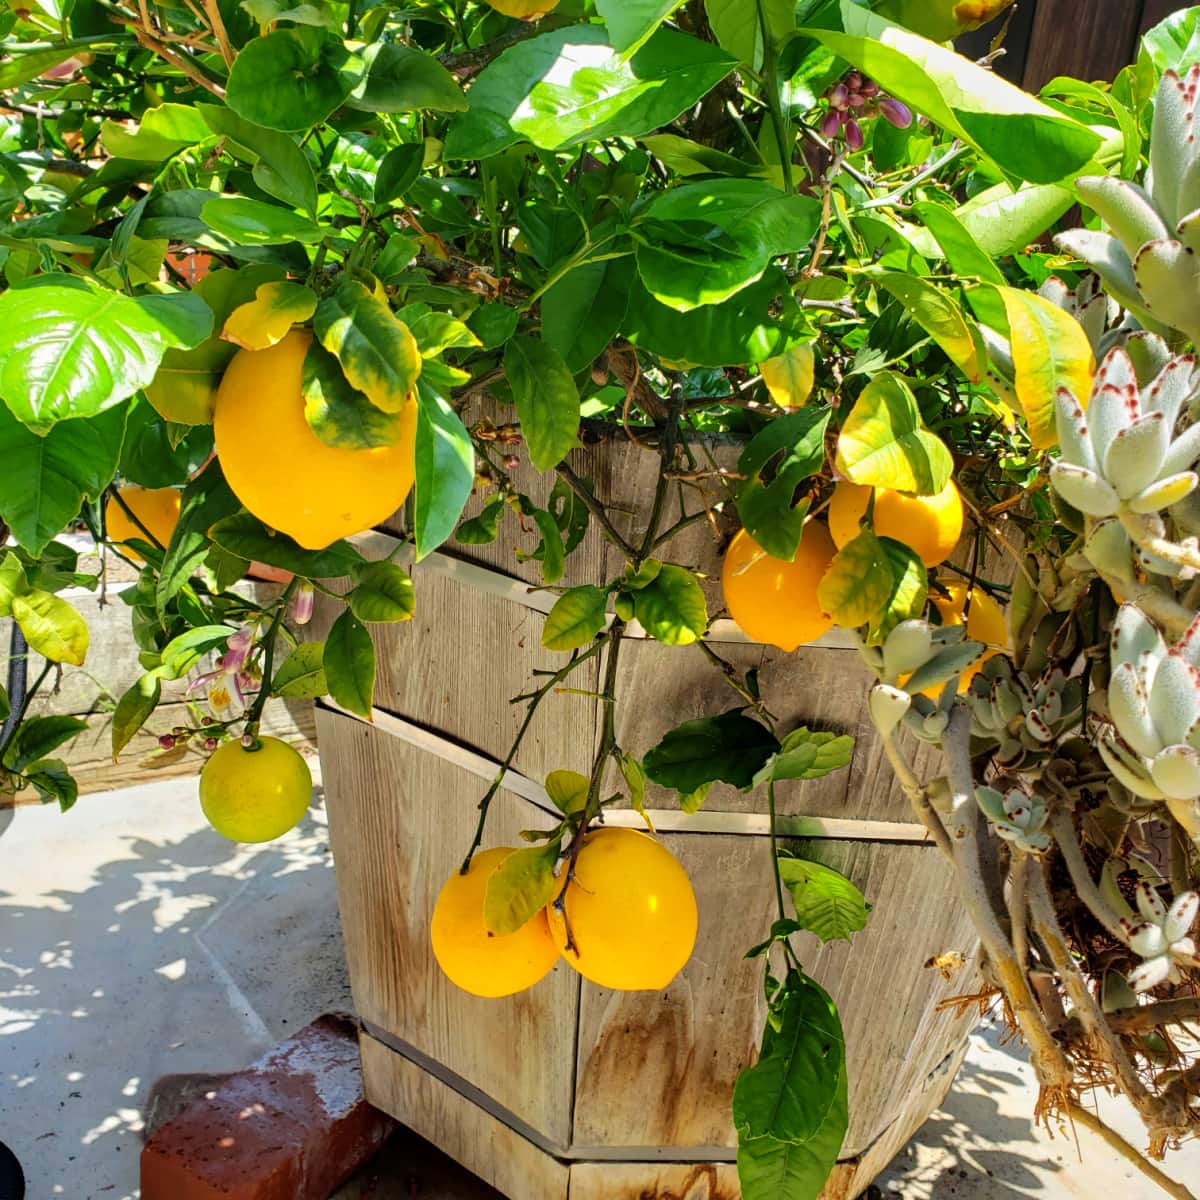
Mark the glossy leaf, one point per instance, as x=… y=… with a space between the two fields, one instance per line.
x=808 y=754
x=785 y=453
x=247 y=537
x=910 y=589
x=568 y=790
x=731 y=748
x=270 y=316
x=73 y=349
x=519 y=888
x=445 y=468
x=378 y=352
x=46 y=479
x=631 y=22
x=858 y=583
x=162 y=132
x=788 y=377
x=569 y=86
x=883 y=442
x=826 y=902
x=1050 y=350
x=940 y=316
x=183 y=652
x=248 y=222
x=133 y=709
x=293 y=78
x=52 y=780
x=583 y=311
x=403 y=79
x=349 y=662
x=1025 y=137
x=383 y=592
x=578 y=615
x=206 y=500
x=338 y=413
x=672 y=609
x=36 y=737
x=957 y=243
x=301 y=675
x=398 y=171
x=788 y=1094
x=52 y=627
x=546 y=398
x=700 y=243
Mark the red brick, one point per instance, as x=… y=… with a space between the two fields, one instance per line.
x=291 y=1127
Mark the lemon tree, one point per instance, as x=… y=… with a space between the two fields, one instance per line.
x=272 y=276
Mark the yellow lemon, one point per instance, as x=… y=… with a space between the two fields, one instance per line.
x=256 y=793
x=930 y=525
x=156 y=510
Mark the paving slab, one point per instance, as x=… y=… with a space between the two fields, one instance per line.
x=137 y=944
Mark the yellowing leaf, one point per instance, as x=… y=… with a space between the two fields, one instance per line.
x=789 y=376
x=51 y=627
x=1049 y=350
x=937 y=313
x=269 y=317
x=859 y=582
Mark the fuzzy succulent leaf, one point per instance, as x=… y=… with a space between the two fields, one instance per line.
x=1134 y=457
x=1165 y=492
x=1084 y=490
x=1175 y=699
x=1166 y=277
x=1176 y=772
x=1127 y=769
x=1106 y=256
x=1125 y=208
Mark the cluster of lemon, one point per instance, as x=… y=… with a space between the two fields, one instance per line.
x=625 y=919
x=776 y=602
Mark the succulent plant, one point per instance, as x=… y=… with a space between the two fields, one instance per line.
x=1016 y=817
x=1162 y=941
x=1148 y=260
x=1153 y=747
x=1023 y=716
x=1088 y=303
x=1124 y=457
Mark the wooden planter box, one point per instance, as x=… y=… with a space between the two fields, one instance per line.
x=570 y=1087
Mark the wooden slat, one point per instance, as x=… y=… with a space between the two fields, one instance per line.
x=659 y=1069
x=461 y=1129
x=663 y=1181
x=1157 y=10
x=1089 y=39
x=400 y=822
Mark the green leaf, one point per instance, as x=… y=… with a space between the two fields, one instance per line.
x=858 y=583
x=546 y=398
x=582 y=312
x=36 y=737
x=401 y=79
x=13 y=582
x=301 y=675
x=21 y=68
x=568 y=790
x=738 y=29
x=436 y=332
x=1024 y=137
x=578 y=616
x=965 y=255
x=910 y=589
x=349 y=662
x=162 y=132
x=51 y=627
x=884 y=444
x=550 y=548
x=445 y=468
x=292 y=79
x=634 y=775
x=940 y=316
x=134 y=707
x=788 y=1094
x=826 y=902
x=758 y=322
x=789 y=376
x=46 y=479
x=686 y=157
x=53 y=781
x=702 y=242
x=398 y=171
x=337 y=412
x=182 y=653
x=247 y=537
x=1050 y=350
x=256 y=223
x=791 y=449
x=672 y=608
x=771 y=1169
x=731 y=748
x=631 y=22
x=1174 y=43
x=206 y=499
x=153 y=456
x=519 y=888
x=270 y=316
x=485 y=528
x=378 y=353
x=73 y=349
x=570 y=86
x=383 y=592
x=693 y=802
x=808 y=754
x=278 y=165
x=494 y=323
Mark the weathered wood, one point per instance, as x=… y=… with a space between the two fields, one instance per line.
x=1089 y=39
x=469 y=1135
x=400 y=822
x=663 y=1181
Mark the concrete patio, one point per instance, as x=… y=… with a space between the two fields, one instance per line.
x=135 y=943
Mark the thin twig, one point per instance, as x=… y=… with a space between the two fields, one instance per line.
x=1063 y=829
x=918 y=797
x=1130 y=1153
x=595 y=508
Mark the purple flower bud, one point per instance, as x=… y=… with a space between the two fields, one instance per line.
x=895 y=111
x=854 y=135
x=237 y=651
x=832 y=123
x=247 y=740
x=838 y=96
x=854 y=80
x=870 y=89
x=166 y=742
x=211 y=744
x=857 y=100
x=303 y=603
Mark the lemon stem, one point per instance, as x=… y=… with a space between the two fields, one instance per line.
x=775 y=849
x=264 y=692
